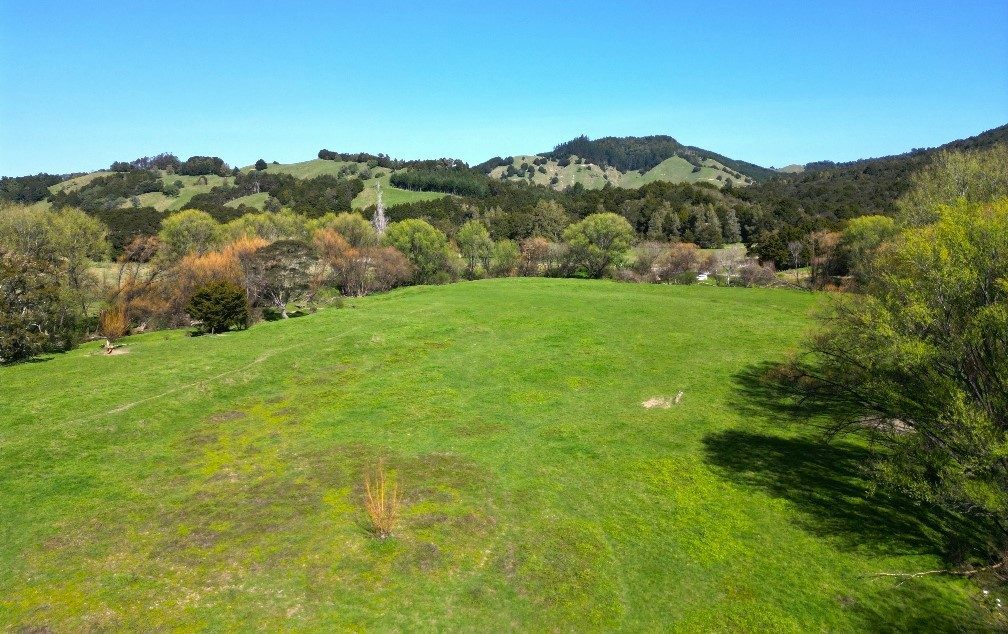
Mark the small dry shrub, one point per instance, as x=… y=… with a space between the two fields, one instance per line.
x=113 y=325
x=381 y=503
x=534 y=255
x=679 y=263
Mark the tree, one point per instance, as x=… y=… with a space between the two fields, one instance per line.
x=795 y=248
x=505 y=259
x=77 y=241
x=283 y=272
x=534 y=254
x=706 y=227
x=549 y=219
x=974 y=176
x=728 y=262
x=352 y=226
x=732 y=229
x=919 y=363
x=270 y=226
x=424 y=246
x=189 y=231
x=474 y=244
x=859 y=241
x=679 y=264
x=34 y=317
x=260 y=165
x=219 y=306
x=599 y=241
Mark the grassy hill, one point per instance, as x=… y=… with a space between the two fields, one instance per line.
x=390 y=195
x=591 y=176
x=216 y=482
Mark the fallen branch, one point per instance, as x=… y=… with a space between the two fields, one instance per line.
x=962 y=572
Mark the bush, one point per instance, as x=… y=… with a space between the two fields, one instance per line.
x=113 y=324
x=219 y=306
x=679 y=264
x=425 y=246
x=506 y=258
x=34 y=317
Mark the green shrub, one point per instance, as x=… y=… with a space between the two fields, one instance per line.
x=219 y=306
x=35 y=315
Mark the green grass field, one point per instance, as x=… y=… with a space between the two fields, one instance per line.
x=215 y=482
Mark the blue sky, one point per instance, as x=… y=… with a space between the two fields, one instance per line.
x=86 y=83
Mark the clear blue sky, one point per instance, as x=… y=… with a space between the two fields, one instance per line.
x=86 y=83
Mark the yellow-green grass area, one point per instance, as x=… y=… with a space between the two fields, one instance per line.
x=78 y=181
x=216 y=482
x=318 y=167
x=391 y=196
x=306 y=169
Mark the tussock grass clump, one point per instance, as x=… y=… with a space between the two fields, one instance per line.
x=381 y=503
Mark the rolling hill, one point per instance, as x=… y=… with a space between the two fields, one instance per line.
x=627 y=162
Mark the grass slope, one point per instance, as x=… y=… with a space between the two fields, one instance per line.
x=215 y=482
x=318 y=167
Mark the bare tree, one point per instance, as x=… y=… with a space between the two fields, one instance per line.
x=794 y=247
x=728 y=262
x=379 y=220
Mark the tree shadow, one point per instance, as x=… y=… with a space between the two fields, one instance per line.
x=827 y=479
x=28 y=361
x=826 y=482
x=922 y=606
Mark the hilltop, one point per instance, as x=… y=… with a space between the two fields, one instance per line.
x=627 y=162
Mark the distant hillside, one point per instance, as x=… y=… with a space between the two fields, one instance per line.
x=840 y=191
x=625 y=162
x=574 y=170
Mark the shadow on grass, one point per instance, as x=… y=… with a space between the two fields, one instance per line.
x=29 y=361
x=827 y=480
x=826 y=483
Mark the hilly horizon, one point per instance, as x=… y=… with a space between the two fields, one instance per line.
x=612 y=159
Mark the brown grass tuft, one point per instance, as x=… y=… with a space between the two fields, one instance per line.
x=381 y=502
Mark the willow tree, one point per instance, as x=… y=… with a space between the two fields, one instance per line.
x=919 y=362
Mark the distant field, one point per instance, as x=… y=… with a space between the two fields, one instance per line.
x=252 y=200
x=390 y=195
x=215 y=483
x=77 y=182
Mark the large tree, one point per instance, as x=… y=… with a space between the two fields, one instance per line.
x=475 y=245
x=599 y=242
x=919 y=362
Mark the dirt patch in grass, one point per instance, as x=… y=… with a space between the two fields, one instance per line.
x=102 y=352
x=662 y=402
